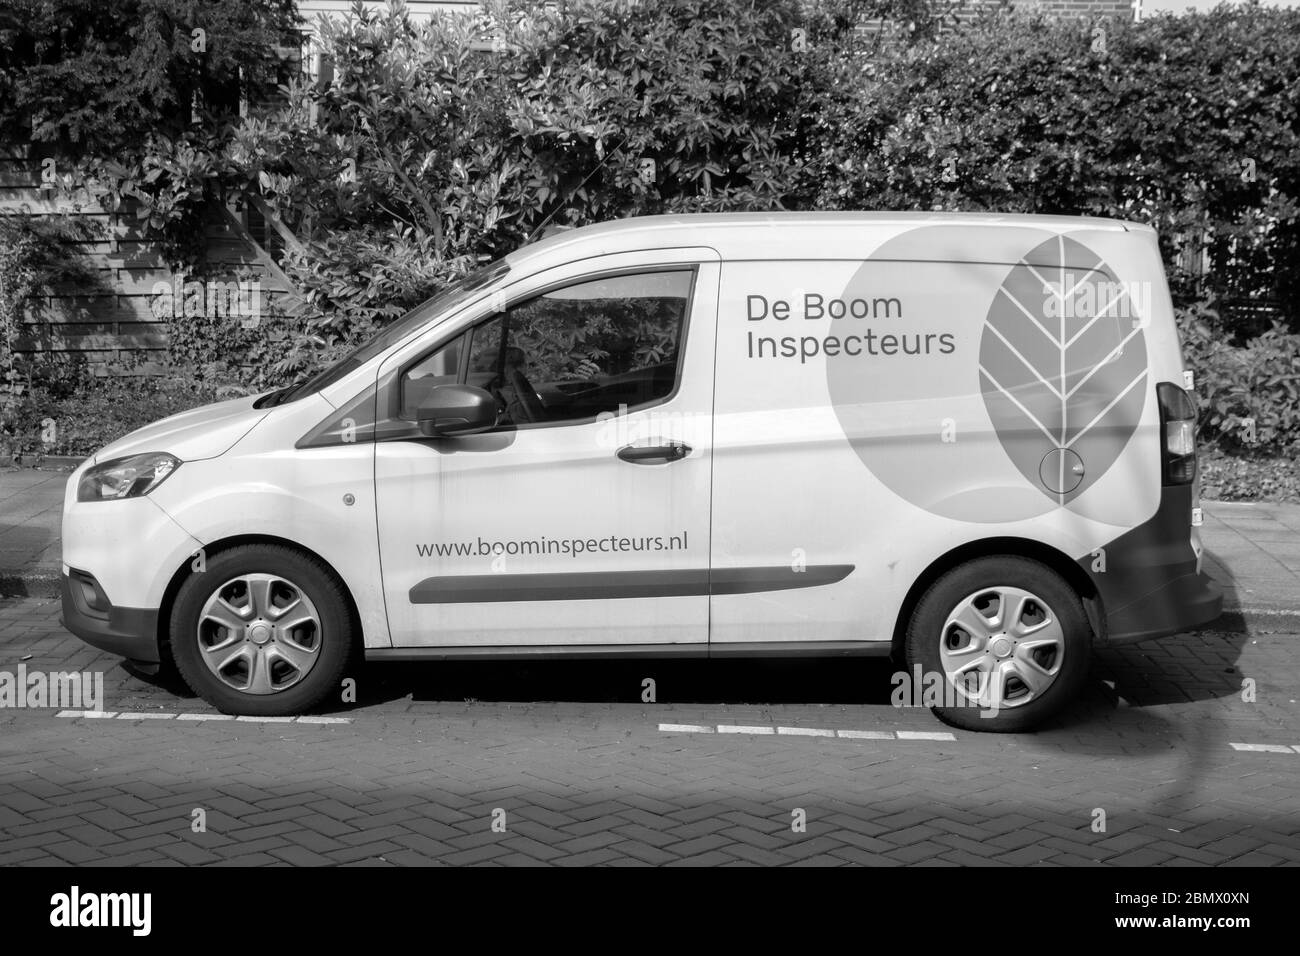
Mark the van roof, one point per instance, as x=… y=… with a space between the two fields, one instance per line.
x=803 y=235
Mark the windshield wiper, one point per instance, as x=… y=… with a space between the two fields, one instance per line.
x=277 y=397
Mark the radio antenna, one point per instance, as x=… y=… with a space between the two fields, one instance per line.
x=542 y=225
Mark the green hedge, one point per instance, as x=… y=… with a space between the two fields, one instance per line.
x=425 y=155
x=1248 y=393
x=1189 y=123
x=94 y=413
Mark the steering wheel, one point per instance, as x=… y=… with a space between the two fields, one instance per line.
x=531 y=402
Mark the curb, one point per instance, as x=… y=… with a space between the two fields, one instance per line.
x=61 y=463
x=1242 y=619
x=30 y=582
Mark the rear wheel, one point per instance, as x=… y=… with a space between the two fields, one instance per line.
x=264 y=631
x=1007 y=640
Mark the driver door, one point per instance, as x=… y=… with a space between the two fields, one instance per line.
x=583 y=518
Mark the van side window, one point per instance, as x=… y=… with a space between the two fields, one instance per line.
x=573 y=352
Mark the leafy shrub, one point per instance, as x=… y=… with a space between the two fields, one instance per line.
x=1188 y=123
x=97 y=412
x=86 y=77
x=33 y=259
x=1251 y=476
x=418 y=155
x=233 y=345
x=421 y=155
x=1248 y=393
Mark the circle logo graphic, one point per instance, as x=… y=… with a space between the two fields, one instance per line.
x=1042 y=388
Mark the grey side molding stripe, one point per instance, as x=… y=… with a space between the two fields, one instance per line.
x=613 y=585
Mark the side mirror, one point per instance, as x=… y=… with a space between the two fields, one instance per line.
x=456 y=410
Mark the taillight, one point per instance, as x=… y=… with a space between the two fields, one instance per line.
x=1178 y=434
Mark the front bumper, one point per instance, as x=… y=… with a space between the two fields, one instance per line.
x=126 y=631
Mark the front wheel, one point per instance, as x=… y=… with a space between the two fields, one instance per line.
x=264 y=631
x=1007 y=640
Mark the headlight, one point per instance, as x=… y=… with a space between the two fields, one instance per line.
x=128 y=477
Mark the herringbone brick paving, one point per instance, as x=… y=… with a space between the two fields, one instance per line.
x=416 y=777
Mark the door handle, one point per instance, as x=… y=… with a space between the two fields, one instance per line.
x=653 y=454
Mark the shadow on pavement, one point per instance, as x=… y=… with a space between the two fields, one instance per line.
x=839 y=681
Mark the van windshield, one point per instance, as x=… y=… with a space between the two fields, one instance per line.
x=446 y=300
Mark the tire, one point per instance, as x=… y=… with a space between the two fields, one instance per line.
x=286 y=641
x=1020 y=667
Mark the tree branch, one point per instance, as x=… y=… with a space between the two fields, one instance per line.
x=431 y=215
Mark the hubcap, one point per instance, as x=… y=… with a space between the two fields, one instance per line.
x=259 y=634
x=1001 y=647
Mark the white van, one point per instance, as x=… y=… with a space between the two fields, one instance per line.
x=959 y=439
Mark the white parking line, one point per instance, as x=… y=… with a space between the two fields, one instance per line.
x=144 y=715
x=1266 y=748
x=807 y=732
x=205 y=717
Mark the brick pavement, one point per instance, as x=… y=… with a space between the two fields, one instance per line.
x=433 y=750
x=31 y=512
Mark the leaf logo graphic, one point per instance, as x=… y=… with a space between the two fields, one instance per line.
x=1063 y=366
